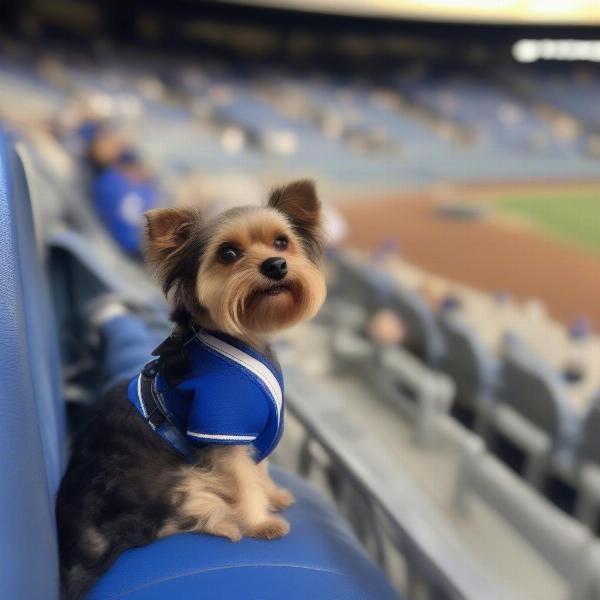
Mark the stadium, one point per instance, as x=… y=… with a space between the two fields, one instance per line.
x=443 y=406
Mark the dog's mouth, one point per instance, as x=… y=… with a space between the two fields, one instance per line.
x=274 y=290
x=271 y=291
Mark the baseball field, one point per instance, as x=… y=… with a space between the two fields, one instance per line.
x=535 y=241
x=571 y=215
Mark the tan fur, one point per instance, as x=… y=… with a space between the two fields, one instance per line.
x=94 y=542
x=203 y=508
x=228 y=292
x=169 y=234
x=250 y=494
x=231 y=498
x=279 y=498
x=228 y=494
x=167 y=228
x=299 y=202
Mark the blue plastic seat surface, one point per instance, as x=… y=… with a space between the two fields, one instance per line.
x=319 y=559
x=29 y=423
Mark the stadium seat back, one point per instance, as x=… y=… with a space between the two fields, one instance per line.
x=466 y=361
x=30 y=415
x=589 y=449
x=373 y=289
x=530 y=389
x=355 y=281
x=423 y=334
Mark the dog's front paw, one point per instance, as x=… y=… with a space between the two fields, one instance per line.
x=280 y=499
x=271 y=528
x=227 y=530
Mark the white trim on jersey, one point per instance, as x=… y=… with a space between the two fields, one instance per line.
x=249 y=362
x=223 y=437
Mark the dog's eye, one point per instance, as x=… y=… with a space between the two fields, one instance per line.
x=281 y=242
x=228 y=254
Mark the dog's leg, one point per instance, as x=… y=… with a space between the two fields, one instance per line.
x=202 y=507
x=251 y=501
x=279 y=498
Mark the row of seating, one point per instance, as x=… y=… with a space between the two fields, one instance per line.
x=514 y=400
x=488 y=112
x=406 y=384
x=386 y=413
x=346 y=129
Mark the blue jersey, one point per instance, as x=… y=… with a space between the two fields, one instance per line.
x=231 y=395
x=121 y=202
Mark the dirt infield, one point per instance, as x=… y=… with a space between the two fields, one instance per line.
x=490 y=254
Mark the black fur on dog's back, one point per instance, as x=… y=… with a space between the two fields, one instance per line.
x=116 y=494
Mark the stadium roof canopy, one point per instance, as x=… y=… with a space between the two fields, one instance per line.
x=542 y=12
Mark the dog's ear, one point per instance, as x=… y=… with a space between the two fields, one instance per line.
x=301 y=205
x=167 y=229
x=168 y=241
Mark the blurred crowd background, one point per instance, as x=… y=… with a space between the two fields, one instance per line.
x=456 y=148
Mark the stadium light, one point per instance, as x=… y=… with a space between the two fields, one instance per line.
x=528 y=51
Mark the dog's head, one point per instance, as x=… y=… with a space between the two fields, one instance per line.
x=248 y=272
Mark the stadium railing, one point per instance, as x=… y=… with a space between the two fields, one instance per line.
x=390 y=514
x=566 y=544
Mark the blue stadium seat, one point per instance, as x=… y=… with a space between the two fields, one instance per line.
x=29 y=420
x=319 y=559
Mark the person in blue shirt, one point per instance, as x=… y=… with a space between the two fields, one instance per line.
x=122 y=189
x=121 y=194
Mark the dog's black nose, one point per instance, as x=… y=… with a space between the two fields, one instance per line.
x=274 y=268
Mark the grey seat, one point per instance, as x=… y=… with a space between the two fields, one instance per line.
x=533 y=390
x=532 y=412
x=373 y=289
x=589 y=446
x=587 y=508
x=355 y=281
x=472 y=367
x=424 y=337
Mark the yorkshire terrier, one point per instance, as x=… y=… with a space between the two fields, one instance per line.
x=182 y=446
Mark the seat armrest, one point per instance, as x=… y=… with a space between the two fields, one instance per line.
x=433 y=391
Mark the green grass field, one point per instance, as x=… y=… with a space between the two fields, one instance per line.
x=572 y=215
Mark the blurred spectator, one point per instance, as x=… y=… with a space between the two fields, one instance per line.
x=580 y=333
x=122 y=189
x=450 y=303
x=120 y=197
x=386 y=328
x=580 y=329
x=501 y=297
x=432 y=291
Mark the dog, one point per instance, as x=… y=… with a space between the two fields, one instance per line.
x=136 y=472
